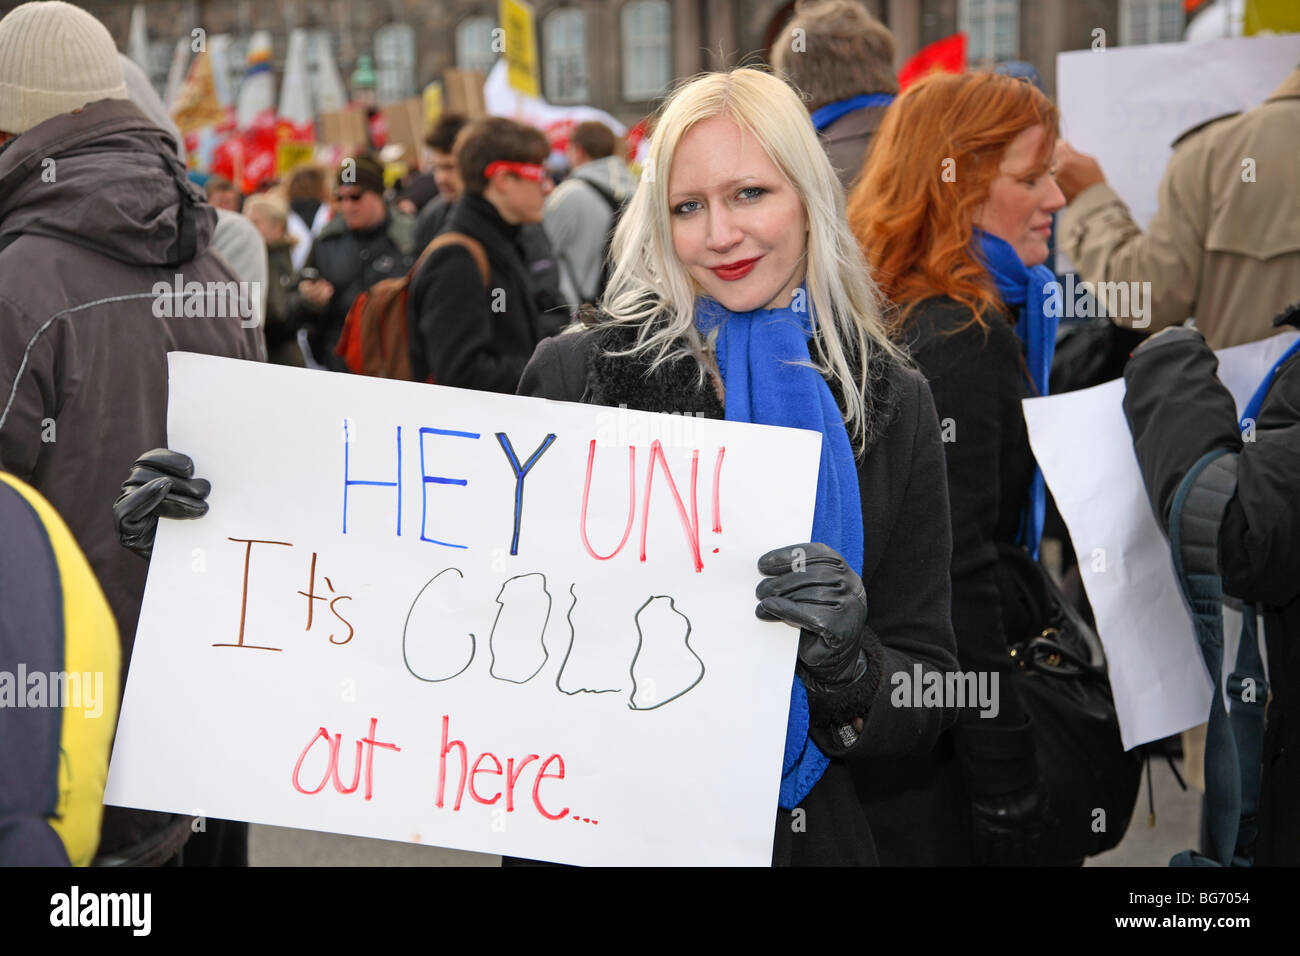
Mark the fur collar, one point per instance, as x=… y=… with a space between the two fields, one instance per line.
x=675 y=385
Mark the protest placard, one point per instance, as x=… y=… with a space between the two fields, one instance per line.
x=1126 y=105
x=1081 y=440
x=471 y=620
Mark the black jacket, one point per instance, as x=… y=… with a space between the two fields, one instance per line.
x=978 y=381
x=543 y=268
x=1178 y=410
x=465 y=334
x=904 y=568
x=353 y=261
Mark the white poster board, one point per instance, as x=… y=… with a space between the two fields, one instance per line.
x=1082 y=442
x=1126 y=105
x=609 y=708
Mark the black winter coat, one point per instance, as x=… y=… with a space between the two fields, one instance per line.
x=465 y=334
x=978 y=381
x=543 y=268
x=904 y=567
x=352 y=261
x=1178 y=410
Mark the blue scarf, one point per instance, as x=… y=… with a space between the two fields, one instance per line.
x=756 y=352
x=1026 y=289
x=828 y=114
x=1251 y=412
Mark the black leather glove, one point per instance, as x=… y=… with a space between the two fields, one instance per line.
x=813 y=588
x=160 y=484
x=1009 y=829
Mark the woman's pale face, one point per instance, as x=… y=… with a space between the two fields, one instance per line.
x=1022 y=199
x=738 y=226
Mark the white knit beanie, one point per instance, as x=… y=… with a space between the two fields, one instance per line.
x=54 y=58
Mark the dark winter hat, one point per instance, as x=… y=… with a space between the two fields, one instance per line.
x=363 y=171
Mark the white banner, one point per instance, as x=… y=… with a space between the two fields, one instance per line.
x=1126 y=105
x=1082 y=442
x=465 y=619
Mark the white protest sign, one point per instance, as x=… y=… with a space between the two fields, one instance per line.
x=1126 y=105
x=472 y=620
x=1082 y=442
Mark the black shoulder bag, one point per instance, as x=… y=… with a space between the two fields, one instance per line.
x=1091 y=782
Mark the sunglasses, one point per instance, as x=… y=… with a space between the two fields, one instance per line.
x=533 y=171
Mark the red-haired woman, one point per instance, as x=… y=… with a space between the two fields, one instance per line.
x=953 y=210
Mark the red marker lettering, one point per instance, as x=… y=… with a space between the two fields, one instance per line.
x=303 y=756
x=631 y=501
x=691 y=524
x=442 y=765
x=371 y=743
x=537 y=785
x=717 y=484
x=512 y=777
x=476 y=771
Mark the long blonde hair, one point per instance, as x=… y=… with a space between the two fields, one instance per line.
x=649 y=283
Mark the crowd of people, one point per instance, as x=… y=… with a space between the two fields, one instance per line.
x=814 y=249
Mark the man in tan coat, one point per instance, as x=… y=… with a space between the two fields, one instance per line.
x=1224 y=245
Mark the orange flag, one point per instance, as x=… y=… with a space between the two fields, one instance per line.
x=196 y=103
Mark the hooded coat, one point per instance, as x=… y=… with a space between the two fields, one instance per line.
x=95 y=212
x=578 y=219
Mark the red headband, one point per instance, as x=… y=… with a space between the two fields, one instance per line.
x=533 y=171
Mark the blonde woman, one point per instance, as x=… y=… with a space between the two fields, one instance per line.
x=738 y=292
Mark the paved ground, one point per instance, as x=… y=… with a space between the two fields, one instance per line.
x=1177 y=815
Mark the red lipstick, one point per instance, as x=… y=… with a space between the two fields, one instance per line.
x=736 y=270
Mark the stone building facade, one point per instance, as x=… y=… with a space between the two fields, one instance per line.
x=621 y=55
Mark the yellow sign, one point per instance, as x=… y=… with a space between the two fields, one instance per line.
x=1271 y=16
x=432 y=103
x=521 y=46
x=292 y=155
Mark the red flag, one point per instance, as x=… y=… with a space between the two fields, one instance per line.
x=947 y=56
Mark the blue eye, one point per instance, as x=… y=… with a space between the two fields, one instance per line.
x=752 y=192
x=682 y=210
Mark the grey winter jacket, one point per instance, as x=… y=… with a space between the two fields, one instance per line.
x=95 y=210
x=577 y=218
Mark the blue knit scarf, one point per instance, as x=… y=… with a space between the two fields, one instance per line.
x=828 y=114
x=1026 y=288
x=756 y=355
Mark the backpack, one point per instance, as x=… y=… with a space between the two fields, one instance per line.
x=375 y=338
x=616 y=208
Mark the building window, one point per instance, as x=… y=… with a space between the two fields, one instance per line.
x=394 y=63
x=565 y=35
x=474 y=44
x=647 y=49
x=1150 y=21
x=992 y=29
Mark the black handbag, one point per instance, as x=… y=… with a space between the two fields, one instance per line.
x=1091 y=783
x=1089 y=353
